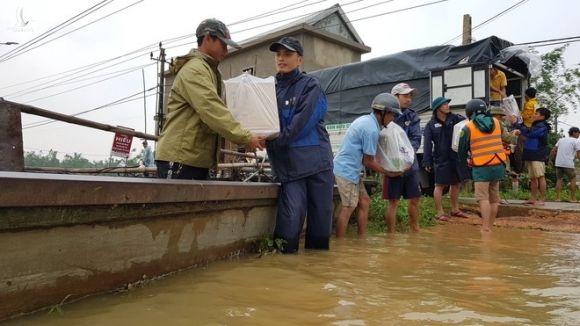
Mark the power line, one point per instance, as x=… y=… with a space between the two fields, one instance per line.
x=352 y=20
x=76 y=71
x=275 y=13
x=141 y=51
x=74 y=80
x=354 y=10
x=75 y=18
x=35 y=88
x=69 y=32
x=187 y=36
x=551 y=40
x=369 y=6
x=86 y=67
x=326 y=26
x=398 y=10
x=110 y=104
x=86 y=85
x=359 y=19
x=501 y=13
x=556 y=43
x=267 y=13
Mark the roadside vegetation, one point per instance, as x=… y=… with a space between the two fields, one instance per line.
x=76 y=160
x=377 y=223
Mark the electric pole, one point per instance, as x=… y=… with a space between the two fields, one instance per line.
x=467 y=39
x=160 y=116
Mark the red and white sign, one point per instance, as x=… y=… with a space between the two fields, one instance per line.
x=121 y=145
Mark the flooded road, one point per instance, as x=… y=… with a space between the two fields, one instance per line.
x=446 y=275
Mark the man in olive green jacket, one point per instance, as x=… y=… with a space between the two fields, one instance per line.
x=196 y=114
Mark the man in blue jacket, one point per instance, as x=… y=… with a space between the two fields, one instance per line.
x=301 y=156
x=536 y=153
x=407 y=185
x=440 y=159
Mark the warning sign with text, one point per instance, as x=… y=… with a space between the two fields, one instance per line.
x=121 y=145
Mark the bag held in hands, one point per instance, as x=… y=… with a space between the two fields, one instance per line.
x=252 y=101
x=510 y=106
x=395 y=152
x=456 y=134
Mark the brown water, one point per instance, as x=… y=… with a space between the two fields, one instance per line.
x=445 y=275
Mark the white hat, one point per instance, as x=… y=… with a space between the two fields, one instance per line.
x=402 y=88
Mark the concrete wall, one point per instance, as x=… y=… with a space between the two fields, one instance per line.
x=334 y=24
x=87 y=235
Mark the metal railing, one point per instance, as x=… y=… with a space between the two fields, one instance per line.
x=12 y=153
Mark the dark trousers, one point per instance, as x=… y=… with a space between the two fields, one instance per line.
x=174 y=170
x=308 y=198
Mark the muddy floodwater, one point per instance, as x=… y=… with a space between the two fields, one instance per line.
x=448 y=274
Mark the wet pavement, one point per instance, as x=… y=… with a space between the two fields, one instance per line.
x=552 y=216
x=549 y=205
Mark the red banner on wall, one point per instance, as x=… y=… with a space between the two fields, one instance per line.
x=121 y=145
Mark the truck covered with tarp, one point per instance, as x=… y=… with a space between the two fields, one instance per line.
x=457 y=72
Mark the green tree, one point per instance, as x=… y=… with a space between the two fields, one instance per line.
x=32 y=159
x=75 y=161
x=558 y=87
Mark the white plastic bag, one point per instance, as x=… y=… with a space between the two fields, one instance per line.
x=252 y=101
x=395 y=152
x=511 y=106
x=456 y=134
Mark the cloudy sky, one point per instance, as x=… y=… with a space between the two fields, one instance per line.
x=44 y=75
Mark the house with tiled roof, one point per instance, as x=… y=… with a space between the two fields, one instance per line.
x=328 y=38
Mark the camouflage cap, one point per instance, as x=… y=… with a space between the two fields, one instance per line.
x=496 y=110
x=218 y=29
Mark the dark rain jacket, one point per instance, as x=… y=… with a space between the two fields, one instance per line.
x=536 y=144
x=410 y=122
x=437 y=138
x=303 y=147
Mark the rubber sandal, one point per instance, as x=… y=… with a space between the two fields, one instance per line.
x=459 y=214
x=443 y=217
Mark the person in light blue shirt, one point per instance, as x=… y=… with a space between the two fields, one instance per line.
x=358 y=149
x=148 y=160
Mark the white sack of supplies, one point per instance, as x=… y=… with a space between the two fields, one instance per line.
x=456 y=134
x=252 y=101
x=511 y=106
x=395 y=152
